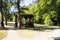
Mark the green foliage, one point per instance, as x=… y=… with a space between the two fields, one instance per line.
x=36 y=17
x=45 y=9
x=13 y=18
x=23 y=19
x=9 y=17
x=53 y=15
x=47 y=20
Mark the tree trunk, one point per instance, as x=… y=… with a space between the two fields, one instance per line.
x=2 y=24
x=16 y=21
x=20 y=18
x=5 y=12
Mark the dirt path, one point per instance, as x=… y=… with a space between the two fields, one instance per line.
x=40 y=35
x=12 y=35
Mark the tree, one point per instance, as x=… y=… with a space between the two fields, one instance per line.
x=1 y=2
x=58 y=13
x=6 y=11
x=20 y=18
x=45 y=7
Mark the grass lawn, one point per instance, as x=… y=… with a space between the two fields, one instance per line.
x=3 y=34
x=40 y=25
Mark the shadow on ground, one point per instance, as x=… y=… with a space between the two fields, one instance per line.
x=8 y=28
x=38 y=28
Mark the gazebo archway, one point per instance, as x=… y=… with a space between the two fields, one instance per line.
x=27 y=21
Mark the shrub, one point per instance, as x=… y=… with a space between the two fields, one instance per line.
x=47 y=20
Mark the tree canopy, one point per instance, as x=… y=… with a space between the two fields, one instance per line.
x=45 y=11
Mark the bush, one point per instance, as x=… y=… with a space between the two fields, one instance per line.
x=47 y=20
x=13 y=18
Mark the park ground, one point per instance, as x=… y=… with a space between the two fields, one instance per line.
x=37 y=33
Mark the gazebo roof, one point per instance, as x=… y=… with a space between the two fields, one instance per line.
x=27 y=15
x=24 y=8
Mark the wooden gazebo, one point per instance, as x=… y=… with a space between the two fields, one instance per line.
x=29 y=21
x=29 y=18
